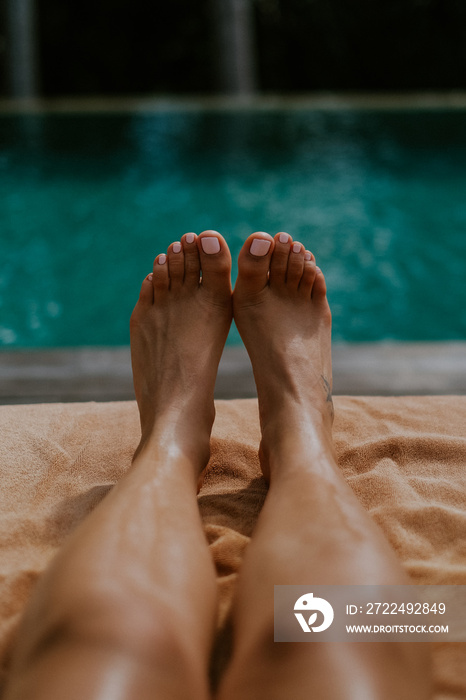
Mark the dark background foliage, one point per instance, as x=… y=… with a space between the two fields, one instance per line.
x=114 y=47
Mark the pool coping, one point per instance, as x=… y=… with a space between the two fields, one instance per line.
x=359 y=369
x=455 y=99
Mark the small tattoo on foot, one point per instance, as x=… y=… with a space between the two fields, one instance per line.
x=328 y=389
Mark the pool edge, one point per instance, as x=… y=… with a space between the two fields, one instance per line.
x=359 y=369
x=455 y=99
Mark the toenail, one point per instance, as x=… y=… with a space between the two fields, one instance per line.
x=210 y=245
x=296 y=247
x=190 y=238
x=259 y=246
x=283 y=238
x=318 y=270
x=149 y=276
x=307 y=255
x=176 y=248
x=162 y=259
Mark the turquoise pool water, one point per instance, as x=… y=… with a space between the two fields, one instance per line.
x=86 y=202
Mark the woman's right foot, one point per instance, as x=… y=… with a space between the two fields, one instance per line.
x=281 y=310
x=178 y=329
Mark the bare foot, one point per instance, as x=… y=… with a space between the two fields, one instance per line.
x=282 y=313
x=178 y=329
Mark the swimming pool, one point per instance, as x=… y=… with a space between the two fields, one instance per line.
x=87 y=200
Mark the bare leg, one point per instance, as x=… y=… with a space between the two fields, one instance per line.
x=127 y=609
x=312 y=529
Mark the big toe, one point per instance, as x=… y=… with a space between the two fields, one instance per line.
x=215 y=261
x=254 y=264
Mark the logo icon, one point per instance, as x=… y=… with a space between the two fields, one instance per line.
x=308 y=603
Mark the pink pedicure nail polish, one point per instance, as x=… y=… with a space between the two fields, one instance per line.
x=259 y=247
x=176 y=247
x=190 y=238
x=307 y=255
x=210 y=245
x=283 y=238
x=296 y=247
x=162 y=259
x=149 y=276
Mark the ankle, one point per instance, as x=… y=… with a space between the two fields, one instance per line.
x=296 y=422
x=299 y=440
x=174 y=435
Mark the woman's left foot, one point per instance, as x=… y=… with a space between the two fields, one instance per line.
x=282 y=313
x=178 y=330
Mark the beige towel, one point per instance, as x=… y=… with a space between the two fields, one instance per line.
x=405 y=458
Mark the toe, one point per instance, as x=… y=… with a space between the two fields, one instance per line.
x=192 y=265
x=175 y=261
x=160 y=276
x=254 y=263
x=279 y=261
x=309 y=274
x=215 y=261
x=146 y=295
x=319 y=288
x=295 y=265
